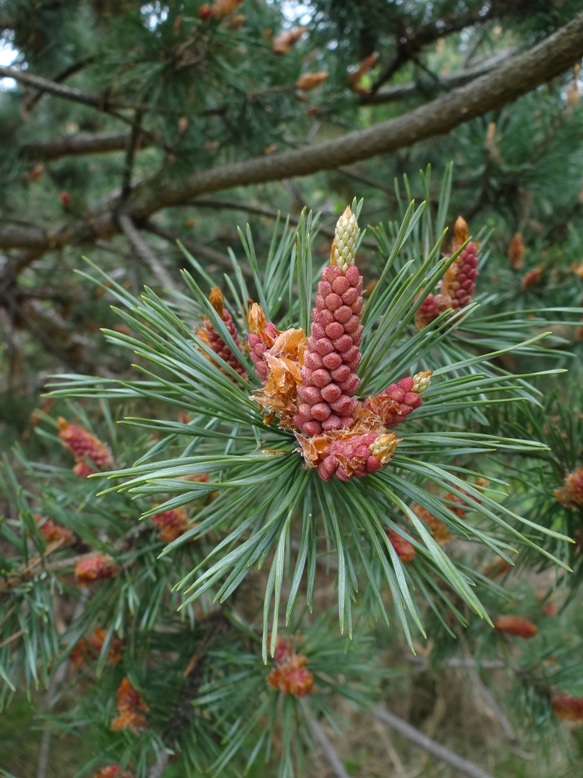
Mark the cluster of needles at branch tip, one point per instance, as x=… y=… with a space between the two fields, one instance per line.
x=311 y=383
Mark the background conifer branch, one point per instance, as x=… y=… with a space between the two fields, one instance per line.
x=463 y=766
x=519 y=75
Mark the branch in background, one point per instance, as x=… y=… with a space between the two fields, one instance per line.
x=145 y=253
x=70 y=70
x=239 y=205
x=198 y=250
x=271 y=213
x=30 y=237
x=510 y=80
x=157 y=769
x=56 y=684
x=507 y=82
x=474 y=45
x=76 y=145
x=100 y=102
x=54 y=336
x=410 y=41
x=493 y=708
x=133 y=143
x=461 y=662
x=460 y=764
x=193 y=679
x=328 y=750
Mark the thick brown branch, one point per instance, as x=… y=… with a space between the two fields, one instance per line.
x=23 y=238
x=76 y=145
x=509 y=81
x=512 y=79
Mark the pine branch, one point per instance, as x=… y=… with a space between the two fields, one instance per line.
x=133 y=144
x=78 y=145
x=442 y=753
x=70 y=70
x=510 y=80
x=493 y=707
x=157 y=770
x=411 y=41
x=30 y=237
x=14 y=578
x=12 y=638
x=101 y=102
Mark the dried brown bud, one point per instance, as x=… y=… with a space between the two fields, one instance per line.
x=516 y=251
x=310 y=81
x=516 y=625
x=219 y=9
x=284 y=42
x=354 y=78
x=531 y=278
x=131 y=708
x=89 y=649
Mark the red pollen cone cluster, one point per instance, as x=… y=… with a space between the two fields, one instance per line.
x=96 y=567
x=571 y=493
x=436 y=526
x=329 y=380
x=312 y=384
x=290 y=674
x=85 y=446
x=566 y=707
x=113 y=771
x=171 y=524
x=397 y=401
x=211 y=337
x=53 y=532
x=131 y=708
x=458 y=285
x=404 y=549
x=262 y=337
x=89 y=649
